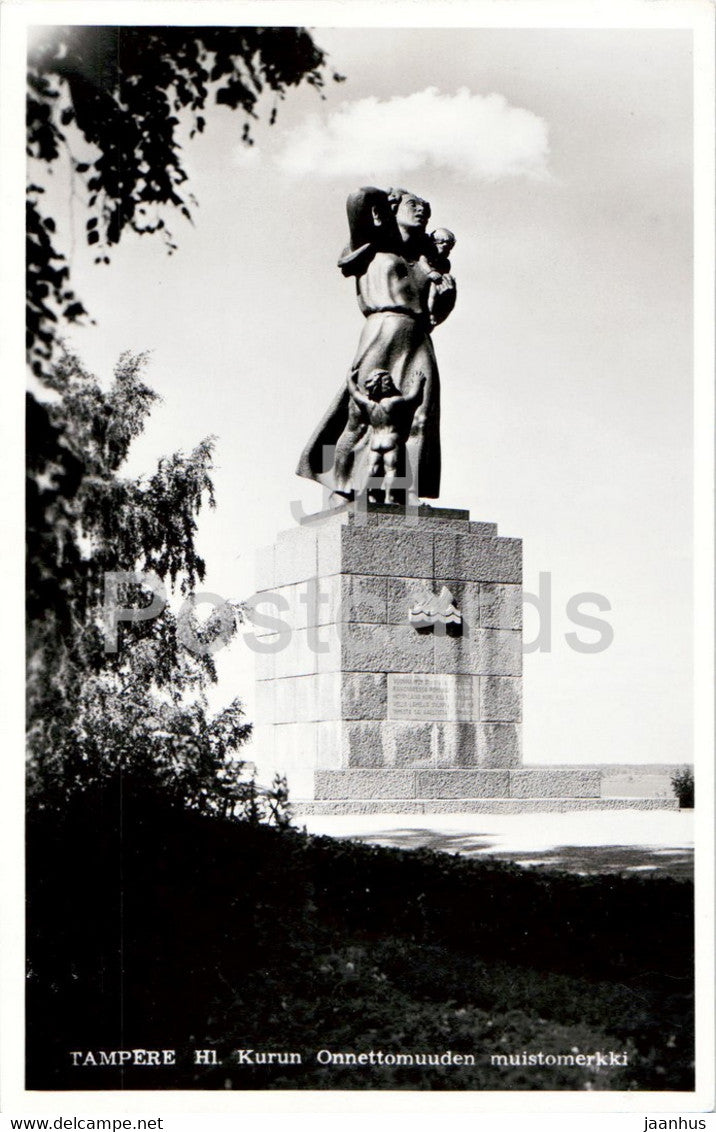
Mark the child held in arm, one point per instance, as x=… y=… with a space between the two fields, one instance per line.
x=389 y=414
x=438 y=263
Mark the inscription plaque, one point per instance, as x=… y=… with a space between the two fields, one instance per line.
x=428 y=696
x=637 y=786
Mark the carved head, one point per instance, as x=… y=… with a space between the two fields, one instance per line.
x=411 y=211
x=444 y=240
x=380 y=384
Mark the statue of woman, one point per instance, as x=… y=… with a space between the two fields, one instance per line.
x=402 y=297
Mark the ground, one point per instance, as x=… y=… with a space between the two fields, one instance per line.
x=650 y=841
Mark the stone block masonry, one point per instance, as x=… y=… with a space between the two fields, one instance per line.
x=345 y=682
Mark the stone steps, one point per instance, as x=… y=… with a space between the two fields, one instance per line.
x=479 y=805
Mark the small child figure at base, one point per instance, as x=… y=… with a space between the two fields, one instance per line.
x=390 y=415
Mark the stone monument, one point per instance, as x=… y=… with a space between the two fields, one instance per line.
x=389 y=632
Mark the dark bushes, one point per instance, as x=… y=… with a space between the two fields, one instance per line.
x=683 y=784
x=155 y=927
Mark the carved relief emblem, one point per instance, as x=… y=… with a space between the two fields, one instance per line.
x=429 y=611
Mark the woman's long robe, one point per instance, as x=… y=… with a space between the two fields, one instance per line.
x=392 y=294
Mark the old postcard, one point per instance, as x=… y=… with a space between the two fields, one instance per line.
x=369 y=451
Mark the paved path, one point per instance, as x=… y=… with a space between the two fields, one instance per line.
x=649 y=841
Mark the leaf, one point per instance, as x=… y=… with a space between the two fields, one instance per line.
x=74 y=311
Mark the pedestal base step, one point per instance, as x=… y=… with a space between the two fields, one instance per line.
x=431 y=785
x=479 y=805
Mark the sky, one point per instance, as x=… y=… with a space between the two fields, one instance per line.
x=562 y=160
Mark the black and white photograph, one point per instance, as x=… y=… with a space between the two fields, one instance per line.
x=368 y=452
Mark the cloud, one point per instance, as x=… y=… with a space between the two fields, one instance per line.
x=479 y=136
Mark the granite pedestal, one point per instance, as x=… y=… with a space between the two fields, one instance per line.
x=352 y=700
x=364 y=712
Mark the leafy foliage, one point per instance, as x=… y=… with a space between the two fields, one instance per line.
x=683 y=784
x=139 y=712
x=125 y=91
x=301 y=943
x=113 y=101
